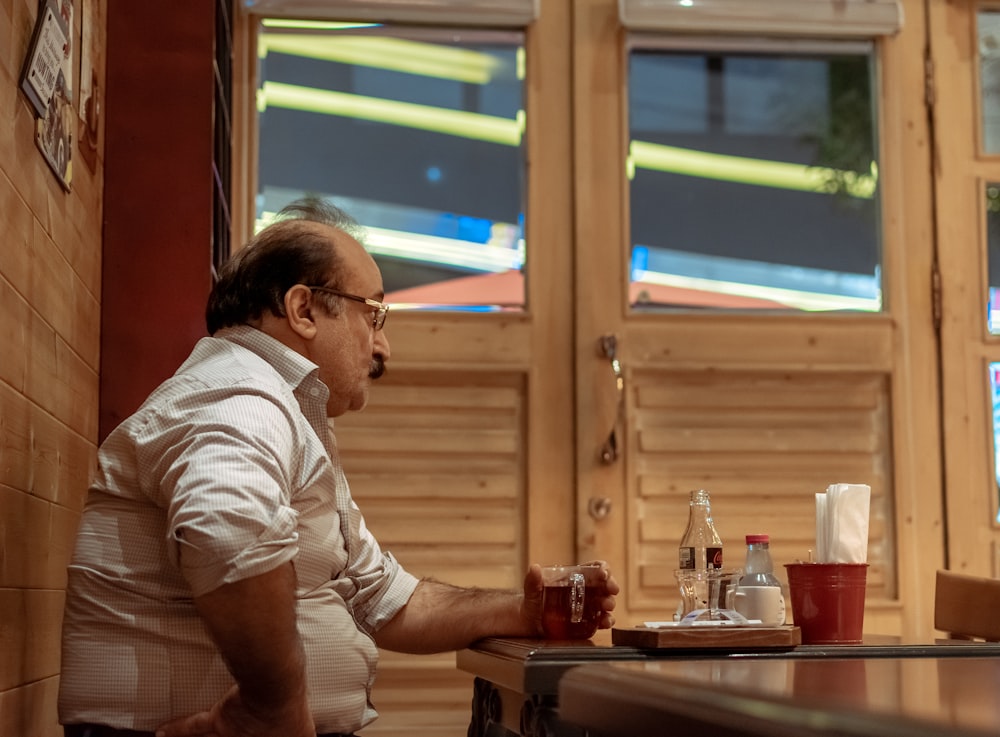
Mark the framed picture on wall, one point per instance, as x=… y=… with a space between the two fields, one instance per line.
x=47 y=81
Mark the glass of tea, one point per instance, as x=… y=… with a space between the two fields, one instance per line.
x=571 y=601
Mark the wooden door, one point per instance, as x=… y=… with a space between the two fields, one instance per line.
x=962 y=42
x=463 y=462
x=762 y=408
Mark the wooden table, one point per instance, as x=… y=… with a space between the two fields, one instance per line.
x=516 y=690
x=831 y=697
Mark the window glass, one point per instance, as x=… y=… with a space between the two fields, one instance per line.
x=417 y=133
x=993 y=255
x=995 y=396
x=753 y=180
x=988 y=23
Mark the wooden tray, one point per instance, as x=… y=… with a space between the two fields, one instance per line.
x=697 y=638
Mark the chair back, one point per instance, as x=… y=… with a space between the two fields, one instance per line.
x=967 y=607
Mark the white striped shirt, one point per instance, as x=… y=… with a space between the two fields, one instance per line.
x=228 y=470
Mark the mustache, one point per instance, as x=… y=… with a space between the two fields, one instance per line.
x=377 y=367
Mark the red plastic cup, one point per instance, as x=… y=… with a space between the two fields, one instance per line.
x=828 y=601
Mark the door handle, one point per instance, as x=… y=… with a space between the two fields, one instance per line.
x=609 y=348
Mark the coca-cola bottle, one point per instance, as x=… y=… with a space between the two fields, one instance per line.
x=701 y=546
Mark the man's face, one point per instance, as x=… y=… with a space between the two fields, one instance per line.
x=347 y=348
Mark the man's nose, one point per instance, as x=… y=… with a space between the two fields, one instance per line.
x=381 y=346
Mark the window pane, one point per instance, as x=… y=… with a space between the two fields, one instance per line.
x=417 y=133
x=995 y=395
x=993 y=255
x=989 y=78
x=753 y=181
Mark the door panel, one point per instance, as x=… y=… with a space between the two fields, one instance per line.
x=482 y=483
x=463 y=462
x=764 y=409
x=962 y=73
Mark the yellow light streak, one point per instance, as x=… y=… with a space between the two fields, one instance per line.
x=423 y=117
x=743 y=170
x=395 y=54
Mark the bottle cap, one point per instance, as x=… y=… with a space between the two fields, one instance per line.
x=758 y=539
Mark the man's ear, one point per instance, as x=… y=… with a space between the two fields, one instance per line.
x=299 y=311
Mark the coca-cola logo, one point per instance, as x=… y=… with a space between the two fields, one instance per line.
x=717 y=558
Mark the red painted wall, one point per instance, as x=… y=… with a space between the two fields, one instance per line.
x=158 y=195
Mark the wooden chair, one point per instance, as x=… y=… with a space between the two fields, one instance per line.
x=967 y=607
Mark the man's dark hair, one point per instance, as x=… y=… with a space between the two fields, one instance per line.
x=291 y=250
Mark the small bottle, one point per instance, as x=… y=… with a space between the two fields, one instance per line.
x=759 y=571
x=759 y=568
x=701 y=546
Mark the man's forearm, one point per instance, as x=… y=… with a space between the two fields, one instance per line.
x=440 y=617
x=253 y=623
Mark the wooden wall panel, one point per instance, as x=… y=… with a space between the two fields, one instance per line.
x=50 y=287
x=15 y=338
x=763 y=444
x=825 y=342
x=72 y=307
x=30 y=709
x=437 y=464
x=35 y=613
x=421 y=695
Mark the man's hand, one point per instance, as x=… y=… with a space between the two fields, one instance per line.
x=230 y=717
x=531 y=605
x=253 y=623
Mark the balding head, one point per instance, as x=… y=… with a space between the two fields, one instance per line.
x=300 y=247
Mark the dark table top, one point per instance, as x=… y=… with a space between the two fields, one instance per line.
x=867 y=696
x=536 y=665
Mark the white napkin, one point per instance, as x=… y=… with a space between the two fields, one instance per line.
x=842 y=513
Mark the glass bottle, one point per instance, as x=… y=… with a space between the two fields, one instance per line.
x=759 y=568
x=701 y=546
x=759 y=571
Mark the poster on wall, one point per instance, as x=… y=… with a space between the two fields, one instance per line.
x=47 y=81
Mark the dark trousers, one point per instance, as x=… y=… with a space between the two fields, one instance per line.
x=99 y=730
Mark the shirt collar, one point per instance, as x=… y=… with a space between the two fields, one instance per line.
x=297 y=370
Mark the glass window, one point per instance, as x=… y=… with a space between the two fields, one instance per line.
x=994 y=379
x=988 y=24
x=418 y=134
x=754 y=179
x=993 y=255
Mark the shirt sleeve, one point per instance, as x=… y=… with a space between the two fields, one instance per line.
x=375 y=583
x=221 y=464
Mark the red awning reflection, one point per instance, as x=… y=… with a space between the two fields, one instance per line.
x=506 y=290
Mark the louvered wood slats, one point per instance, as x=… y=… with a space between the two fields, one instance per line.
x=763 y=443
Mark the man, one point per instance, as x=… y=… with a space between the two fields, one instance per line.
x=224 y=582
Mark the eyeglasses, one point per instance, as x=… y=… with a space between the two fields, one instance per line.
x=380 y=308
